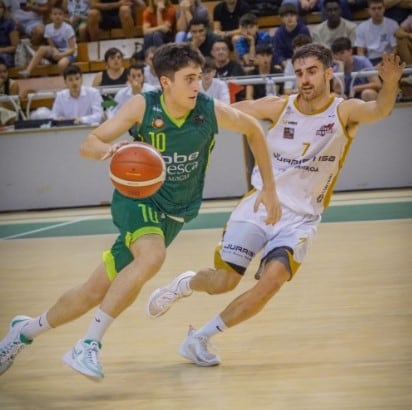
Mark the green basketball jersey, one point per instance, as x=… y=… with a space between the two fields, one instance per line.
x=185 y=146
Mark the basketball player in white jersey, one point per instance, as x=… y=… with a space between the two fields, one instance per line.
x=309 y=140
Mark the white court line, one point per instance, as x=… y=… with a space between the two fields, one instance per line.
x=46 y=228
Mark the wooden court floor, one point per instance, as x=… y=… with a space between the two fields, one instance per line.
x=339 y=336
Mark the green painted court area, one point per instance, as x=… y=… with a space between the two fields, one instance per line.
x=95 y=225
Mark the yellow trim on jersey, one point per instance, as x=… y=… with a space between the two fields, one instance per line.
x=332 y=99
x=178 y=123
x=281 y=113
x=294 y=266
x=108 y=261
x=147 y=230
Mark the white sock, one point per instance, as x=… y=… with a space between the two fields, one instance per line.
x=211 y=328
x=98 y=327
x=36 y=326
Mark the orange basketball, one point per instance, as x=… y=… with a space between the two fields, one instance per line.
x=137 y=170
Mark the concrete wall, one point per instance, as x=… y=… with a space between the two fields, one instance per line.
x=43 y=169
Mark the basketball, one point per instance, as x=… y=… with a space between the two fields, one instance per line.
x=137 y=170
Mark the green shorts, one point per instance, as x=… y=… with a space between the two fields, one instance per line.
x=135 y=218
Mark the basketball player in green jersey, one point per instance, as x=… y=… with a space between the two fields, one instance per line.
x=311 y=135
x=181 y=124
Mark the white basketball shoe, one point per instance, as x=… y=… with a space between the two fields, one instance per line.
x=162 y=299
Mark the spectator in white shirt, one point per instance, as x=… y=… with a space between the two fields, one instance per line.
x=211 y=86
x=79 y=103
x=135 y=85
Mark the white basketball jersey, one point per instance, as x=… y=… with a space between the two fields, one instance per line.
x=308 y=152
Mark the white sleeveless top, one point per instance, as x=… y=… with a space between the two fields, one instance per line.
x=308 y=152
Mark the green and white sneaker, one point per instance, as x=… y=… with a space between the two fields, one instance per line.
x=13 y=343
x=84 y=358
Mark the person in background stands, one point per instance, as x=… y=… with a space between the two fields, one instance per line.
x=8 y=86
x=376 y=36
x=108 y=14
x=404 y=40
x=365 y=88
x=61 y=48
x=29 y=18
x=77 y=11
x=77 y=102
x=291 y=27
x=201 y=37
x=159 y=23
x=249 y=38
x=9 y=36
x=335 y=26
x=149 y=73
x=186 y=11
x=213 y=87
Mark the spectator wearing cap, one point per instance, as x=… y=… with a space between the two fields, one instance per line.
x=290 y=27
x=211 y=86
x=335 y=26
x=250 y=37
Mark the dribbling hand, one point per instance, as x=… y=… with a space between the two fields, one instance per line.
x=113 y=148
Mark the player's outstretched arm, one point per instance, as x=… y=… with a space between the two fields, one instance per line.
x=97 y=144
x=360 y=112
x=235 y=120
x=266 y=108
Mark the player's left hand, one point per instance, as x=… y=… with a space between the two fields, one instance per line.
x=390 y=69
x=270 y=201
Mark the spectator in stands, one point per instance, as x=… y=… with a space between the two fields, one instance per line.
x=77 y=11
x=149 y=73
x=109 y=14
x=290 y=27
x=226 y=17
x=186 y=11
x=250 y=37
x=115 y=73
x=9 y=36
x=7 y=87
x=135 y=85
x=404 y=40
x=264 y=67
x=290 y=85
x=376 y=35
x=309 y=6
x=29 y=18
x=61 y=48
x=213 y=87
x=200 y=35
x=397 y=10
x=79 y=103
x=365 y=88
x=335 y=26
x=159 y=23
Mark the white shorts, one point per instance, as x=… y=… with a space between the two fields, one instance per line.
x=246 y=234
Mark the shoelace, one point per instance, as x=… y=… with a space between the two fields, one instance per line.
x=11 y=350
x=92 y=353
x=166 y=299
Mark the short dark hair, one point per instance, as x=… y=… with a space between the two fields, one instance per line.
x=341 y=44
x=325 y=2
x=248 y=19
x=112 y=52
x=300 y=40
x=322 y=53
x=264 y=49
x=209 y=64
x=136 y=66
x=198 y=21
x=287 y=8
x=2 y=61
x=172 y=57
x=71 y=69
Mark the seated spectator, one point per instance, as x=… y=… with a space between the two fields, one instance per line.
x=108 y=14
x=200 y=36
x=335 y=26
x=213 y=87
x=78 y=102
x=149 y=74
x=159 y=23
x=290 y=85
x=365 y=88
x=397 y=10
x=115 y=73
x=77 y=11
x=61 y=48
x=135 y=85
x=7 y=87
x=9 y=36
x=290 y=27
x=309 y=6
x=264 y=67
x=249 y=38
x=29 y=18
x=404 y=40
x=376 y=35
x=186 y=11
x=226 y=17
